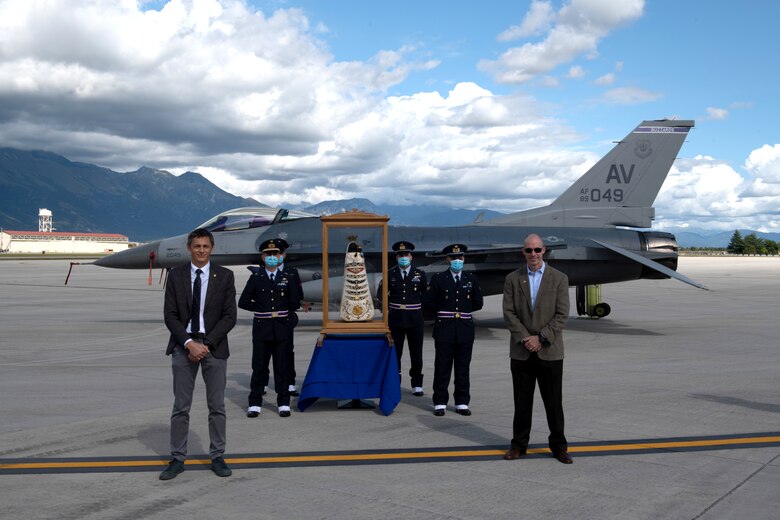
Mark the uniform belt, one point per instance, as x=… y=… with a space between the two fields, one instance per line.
x=451 y=314
x=273 y=314
x=405 y=306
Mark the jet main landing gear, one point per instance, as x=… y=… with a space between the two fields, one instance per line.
x=589 y=302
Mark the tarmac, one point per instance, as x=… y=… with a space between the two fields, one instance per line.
x=672 y=411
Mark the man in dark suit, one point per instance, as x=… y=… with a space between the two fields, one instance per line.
x=271 y=295
x=536 y=308
x=406 y=286
x=199 y=311
x=453 y=295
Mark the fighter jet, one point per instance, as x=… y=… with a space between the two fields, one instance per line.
x=595 y=232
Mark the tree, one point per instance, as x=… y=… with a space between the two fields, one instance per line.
x=736 y=244
x=751 y=244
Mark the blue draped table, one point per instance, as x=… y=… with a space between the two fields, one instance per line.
x=353 y=367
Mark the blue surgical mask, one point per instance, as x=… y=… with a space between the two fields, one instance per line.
x=271 y=261
x=404 y=261
x=456 y=265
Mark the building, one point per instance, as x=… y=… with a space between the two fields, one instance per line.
x=47 y=241
x=59 y=242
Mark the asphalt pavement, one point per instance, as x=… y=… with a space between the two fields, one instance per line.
x=672 y=411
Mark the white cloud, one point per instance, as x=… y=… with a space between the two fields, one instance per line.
x=713 y=196
x=537 y=20
x=717 y=113
x=578 y=28
x=575 y=72
x=629 y=96
x=606 y=79
x=764 y=163
x=257 y=104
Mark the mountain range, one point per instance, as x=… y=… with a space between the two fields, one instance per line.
x=144 y=204
x=149 y=204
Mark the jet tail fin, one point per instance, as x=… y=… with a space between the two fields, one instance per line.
x=619 y=190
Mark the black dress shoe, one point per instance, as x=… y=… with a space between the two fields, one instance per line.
x=514 y=454
x=219 y=467
x=252 y=414
x=294 y=393
x=438 y=412
x=463 y=411
x=174 y=468
x=284 y=413
x=563 y=457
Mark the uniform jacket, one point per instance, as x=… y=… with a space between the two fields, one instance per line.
x=262 y=295
x=409 y=291
x=219 y=308
x=548 y=318
x=296 y=278
x=443 y=295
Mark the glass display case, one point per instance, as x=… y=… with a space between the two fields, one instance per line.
x=359 y=241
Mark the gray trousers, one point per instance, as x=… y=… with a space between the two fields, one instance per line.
x=184 y=375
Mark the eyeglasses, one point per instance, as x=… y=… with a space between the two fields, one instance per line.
x=533 y=250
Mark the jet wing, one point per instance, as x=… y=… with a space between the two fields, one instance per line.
x=651 y=264
x=497 y=250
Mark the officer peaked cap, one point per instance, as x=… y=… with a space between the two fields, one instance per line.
x=455 y=250
x=403 y=247
x=269 y=246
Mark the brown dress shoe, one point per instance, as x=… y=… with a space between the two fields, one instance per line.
x=513 y=454
x=563 y=457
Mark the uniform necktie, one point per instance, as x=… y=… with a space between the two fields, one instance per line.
x=195 y=320
x=403 y=275
x=272 y=277
x=457 y=279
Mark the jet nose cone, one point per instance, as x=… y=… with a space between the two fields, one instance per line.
x=134 y=258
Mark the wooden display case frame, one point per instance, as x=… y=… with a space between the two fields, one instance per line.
x=353 y=219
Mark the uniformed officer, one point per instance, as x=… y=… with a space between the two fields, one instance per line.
x=405 y=287
x=293 y=274
x=296 y=278
x=453 y=295
x=271 y=295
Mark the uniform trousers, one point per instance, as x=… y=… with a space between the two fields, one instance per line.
x=449 y=354
x=415 y=336
x=525 y=375
x=262 y=352
x=214 y=372
x=291 y=375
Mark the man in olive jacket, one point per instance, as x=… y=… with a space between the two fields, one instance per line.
x=536 y=308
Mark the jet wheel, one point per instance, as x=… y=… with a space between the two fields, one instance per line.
x=601 y=310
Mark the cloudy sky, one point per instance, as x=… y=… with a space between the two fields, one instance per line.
x=498 y=104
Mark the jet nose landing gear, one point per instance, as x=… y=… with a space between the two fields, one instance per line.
x=589 y=302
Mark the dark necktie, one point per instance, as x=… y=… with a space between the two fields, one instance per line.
x=195 y=313
x=272 y=277
x=403 y=275
x=457 y=279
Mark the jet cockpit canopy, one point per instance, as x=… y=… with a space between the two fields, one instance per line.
x=249 y=218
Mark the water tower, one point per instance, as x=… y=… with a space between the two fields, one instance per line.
x=44 y=220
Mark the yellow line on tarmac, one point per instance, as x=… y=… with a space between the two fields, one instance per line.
x=676 y=444
x=399 y=456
